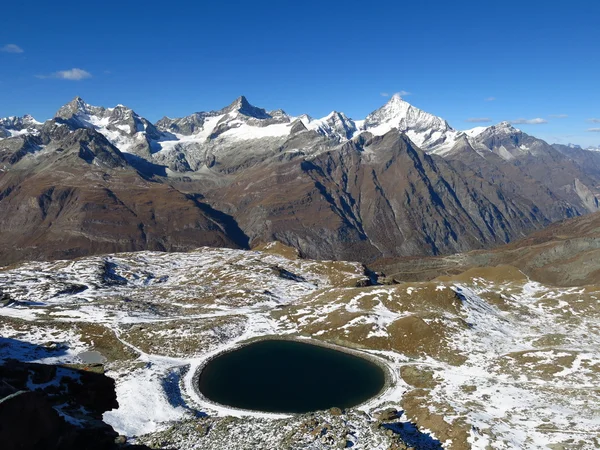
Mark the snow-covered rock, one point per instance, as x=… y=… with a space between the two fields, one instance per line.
x=429 y=132
x=17 y=126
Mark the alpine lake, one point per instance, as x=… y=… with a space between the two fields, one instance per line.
x=288 y=376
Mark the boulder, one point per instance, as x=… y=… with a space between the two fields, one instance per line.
x=386 y=414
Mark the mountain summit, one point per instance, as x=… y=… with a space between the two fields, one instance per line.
x=241 y=105
x=75 y=107
x=122 y=126
x=426 y=130
x=15 y=126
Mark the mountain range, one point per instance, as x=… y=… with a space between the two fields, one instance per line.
x=400 y=182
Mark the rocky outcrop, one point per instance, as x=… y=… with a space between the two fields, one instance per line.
x=54 y=407
x=38 y=425
x=335 y=429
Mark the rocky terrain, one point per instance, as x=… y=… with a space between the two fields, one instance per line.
x=483 y=359
x=401 y=182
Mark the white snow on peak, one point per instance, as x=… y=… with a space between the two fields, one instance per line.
x=431 y=133
x=241 y=121
x=29 y=119
x=334 y=125
x=474 y=132
x=305 y=118
x=18 y=126
x=395 y=110
x=15 y=121
x=507 y=127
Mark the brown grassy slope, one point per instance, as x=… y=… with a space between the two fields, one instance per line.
x=564 y=254
x=70 y=206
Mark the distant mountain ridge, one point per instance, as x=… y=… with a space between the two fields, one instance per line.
x=401 y=182
x=121 y=125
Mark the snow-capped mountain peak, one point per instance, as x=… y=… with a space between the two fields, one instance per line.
x=505 y=128
x=18 y=122
x=78 y=108
x=212 y=124
x=504 y=123
x=242 y=106
x=16 y=126
x=220 y=132
x=335 y=125
x=125 y=129
x=394 y=111
x=429 y=132
x=29 y=119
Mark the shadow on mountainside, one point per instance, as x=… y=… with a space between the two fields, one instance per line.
x=411 y=435
x=171 y=387
x=26 y=351
x=228 y=224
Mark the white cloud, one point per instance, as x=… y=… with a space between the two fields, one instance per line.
x=594 y=120
x=11 y=48
x=72 y=74
x=400 y=93
x=478 y=119
x=559 y=116
x=536 y=121
x=594 y=130
x=489 y=99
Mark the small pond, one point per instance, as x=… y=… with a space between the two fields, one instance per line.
x=289 y=377
x=91 y=357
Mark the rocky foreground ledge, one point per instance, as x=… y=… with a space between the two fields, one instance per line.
x=45 y=406
x=332 y=429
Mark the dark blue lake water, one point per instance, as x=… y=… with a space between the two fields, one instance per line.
x=290 y=377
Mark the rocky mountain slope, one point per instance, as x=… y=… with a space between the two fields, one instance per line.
x=401 y=182
x=375 y=197
x=71 y=193
x=564 y=254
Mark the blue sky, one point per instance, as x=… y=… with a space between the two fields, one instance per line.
x=463 y=60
